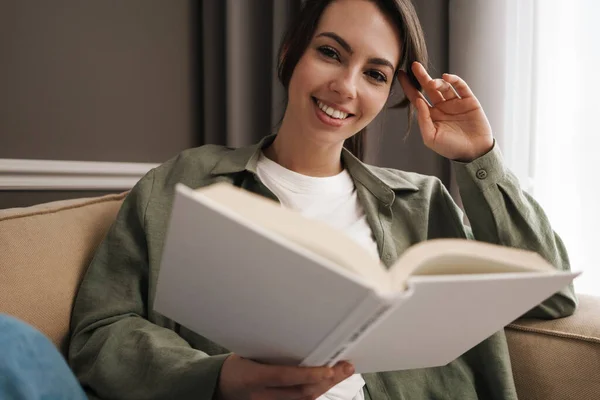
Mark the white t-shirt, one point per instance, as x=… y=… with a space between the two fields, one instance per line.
x=334 y=201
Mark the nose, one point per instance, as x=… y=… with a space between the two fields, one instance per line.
x=345 y=85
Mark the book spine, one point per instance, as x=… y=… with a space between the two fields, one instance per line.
x=350 y=330
x=338 y=353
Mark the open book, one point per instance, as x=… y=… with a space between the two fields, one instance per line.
x=274 y=286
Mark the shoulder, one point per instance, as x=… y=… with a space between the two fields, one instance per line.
x=191 y=167
x=197 y=161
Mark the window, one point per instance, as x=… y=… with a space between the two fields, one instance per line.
x=565 y=142
x=532 y=64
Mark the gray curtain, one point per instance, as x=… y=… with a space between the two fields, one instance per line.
x=240 y=99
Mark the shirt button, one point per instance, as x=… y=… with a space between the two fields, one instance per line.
x=481 y=174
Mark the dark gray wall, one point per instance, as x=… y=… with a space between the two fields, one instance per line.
x=95 y=80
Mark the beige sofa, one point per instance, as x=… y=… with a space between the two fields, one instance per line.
x=45 y=249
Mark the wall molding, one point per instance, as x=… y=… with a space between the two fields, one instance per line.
x=20 y=174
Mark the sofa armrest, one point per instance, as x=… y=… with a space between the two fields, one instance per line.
x=558 y=359
x=44 y=252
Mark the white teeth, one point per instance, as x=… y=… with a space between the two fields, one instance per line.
x=337 y=114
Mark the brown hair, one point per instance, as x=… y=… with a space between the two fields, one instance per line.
x=303 y=27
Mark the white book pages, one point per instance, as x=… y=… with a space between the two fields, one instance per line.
x=441 y=317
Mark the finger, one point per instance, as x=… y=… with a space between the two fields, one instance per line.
x=425 y=123
x=342 y=370
x=409 y=90
x=446 y=89
x=461 y=87
x=428 y=84
x=282 y=376
x=290 y=393
x=295 y=392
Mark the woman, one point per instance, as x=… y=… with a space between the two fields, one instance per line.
x=337 y=62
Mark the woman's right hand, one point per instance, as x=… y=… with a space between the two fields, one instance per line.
x=243 y=379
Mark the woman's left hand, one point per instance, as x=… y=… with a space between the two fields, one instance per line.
x=454 y=124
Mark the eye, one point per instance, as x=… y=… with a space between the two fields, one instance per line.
x=378 y=76
x=329 y=52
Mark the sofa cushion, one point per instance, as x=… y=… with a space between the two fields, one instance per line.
x=45 y=251
x=558 y=359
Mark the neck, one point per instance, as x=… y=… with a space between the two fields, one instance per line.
x=303 y=153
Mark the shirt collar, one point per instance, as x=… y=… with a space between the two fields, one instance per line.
x=383 y=183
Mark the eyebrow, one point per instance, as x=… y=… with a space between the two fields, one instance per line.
x=348 y=48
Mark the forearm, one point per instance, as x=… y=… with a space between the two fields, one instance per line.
x=129 y=357
x=115 y=350
x=500 y=212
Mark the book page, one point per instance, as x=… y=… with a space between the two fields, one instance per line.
x=441 y=317
x=313 y=235
x=462 y=256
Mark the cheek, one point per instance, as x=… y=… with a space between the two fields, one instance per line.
x=373 y=101
x=307 y=76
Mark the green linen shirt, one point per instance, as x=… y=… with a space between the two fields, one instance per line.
x=121 y=348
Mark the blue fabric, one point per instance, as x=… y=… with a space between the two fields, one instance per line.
x=31 y=368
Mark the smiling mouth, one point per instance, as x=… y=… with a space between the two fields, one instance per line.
x=331 y=112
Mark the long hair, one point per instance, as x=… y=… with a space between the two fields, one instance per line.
x=299 y=34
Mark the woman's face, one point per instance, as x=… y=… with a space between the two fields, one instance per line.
x=343 y=79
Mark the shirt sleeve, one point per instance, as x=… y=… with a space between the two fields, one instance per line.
x=500 y=212
x=115 y=351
